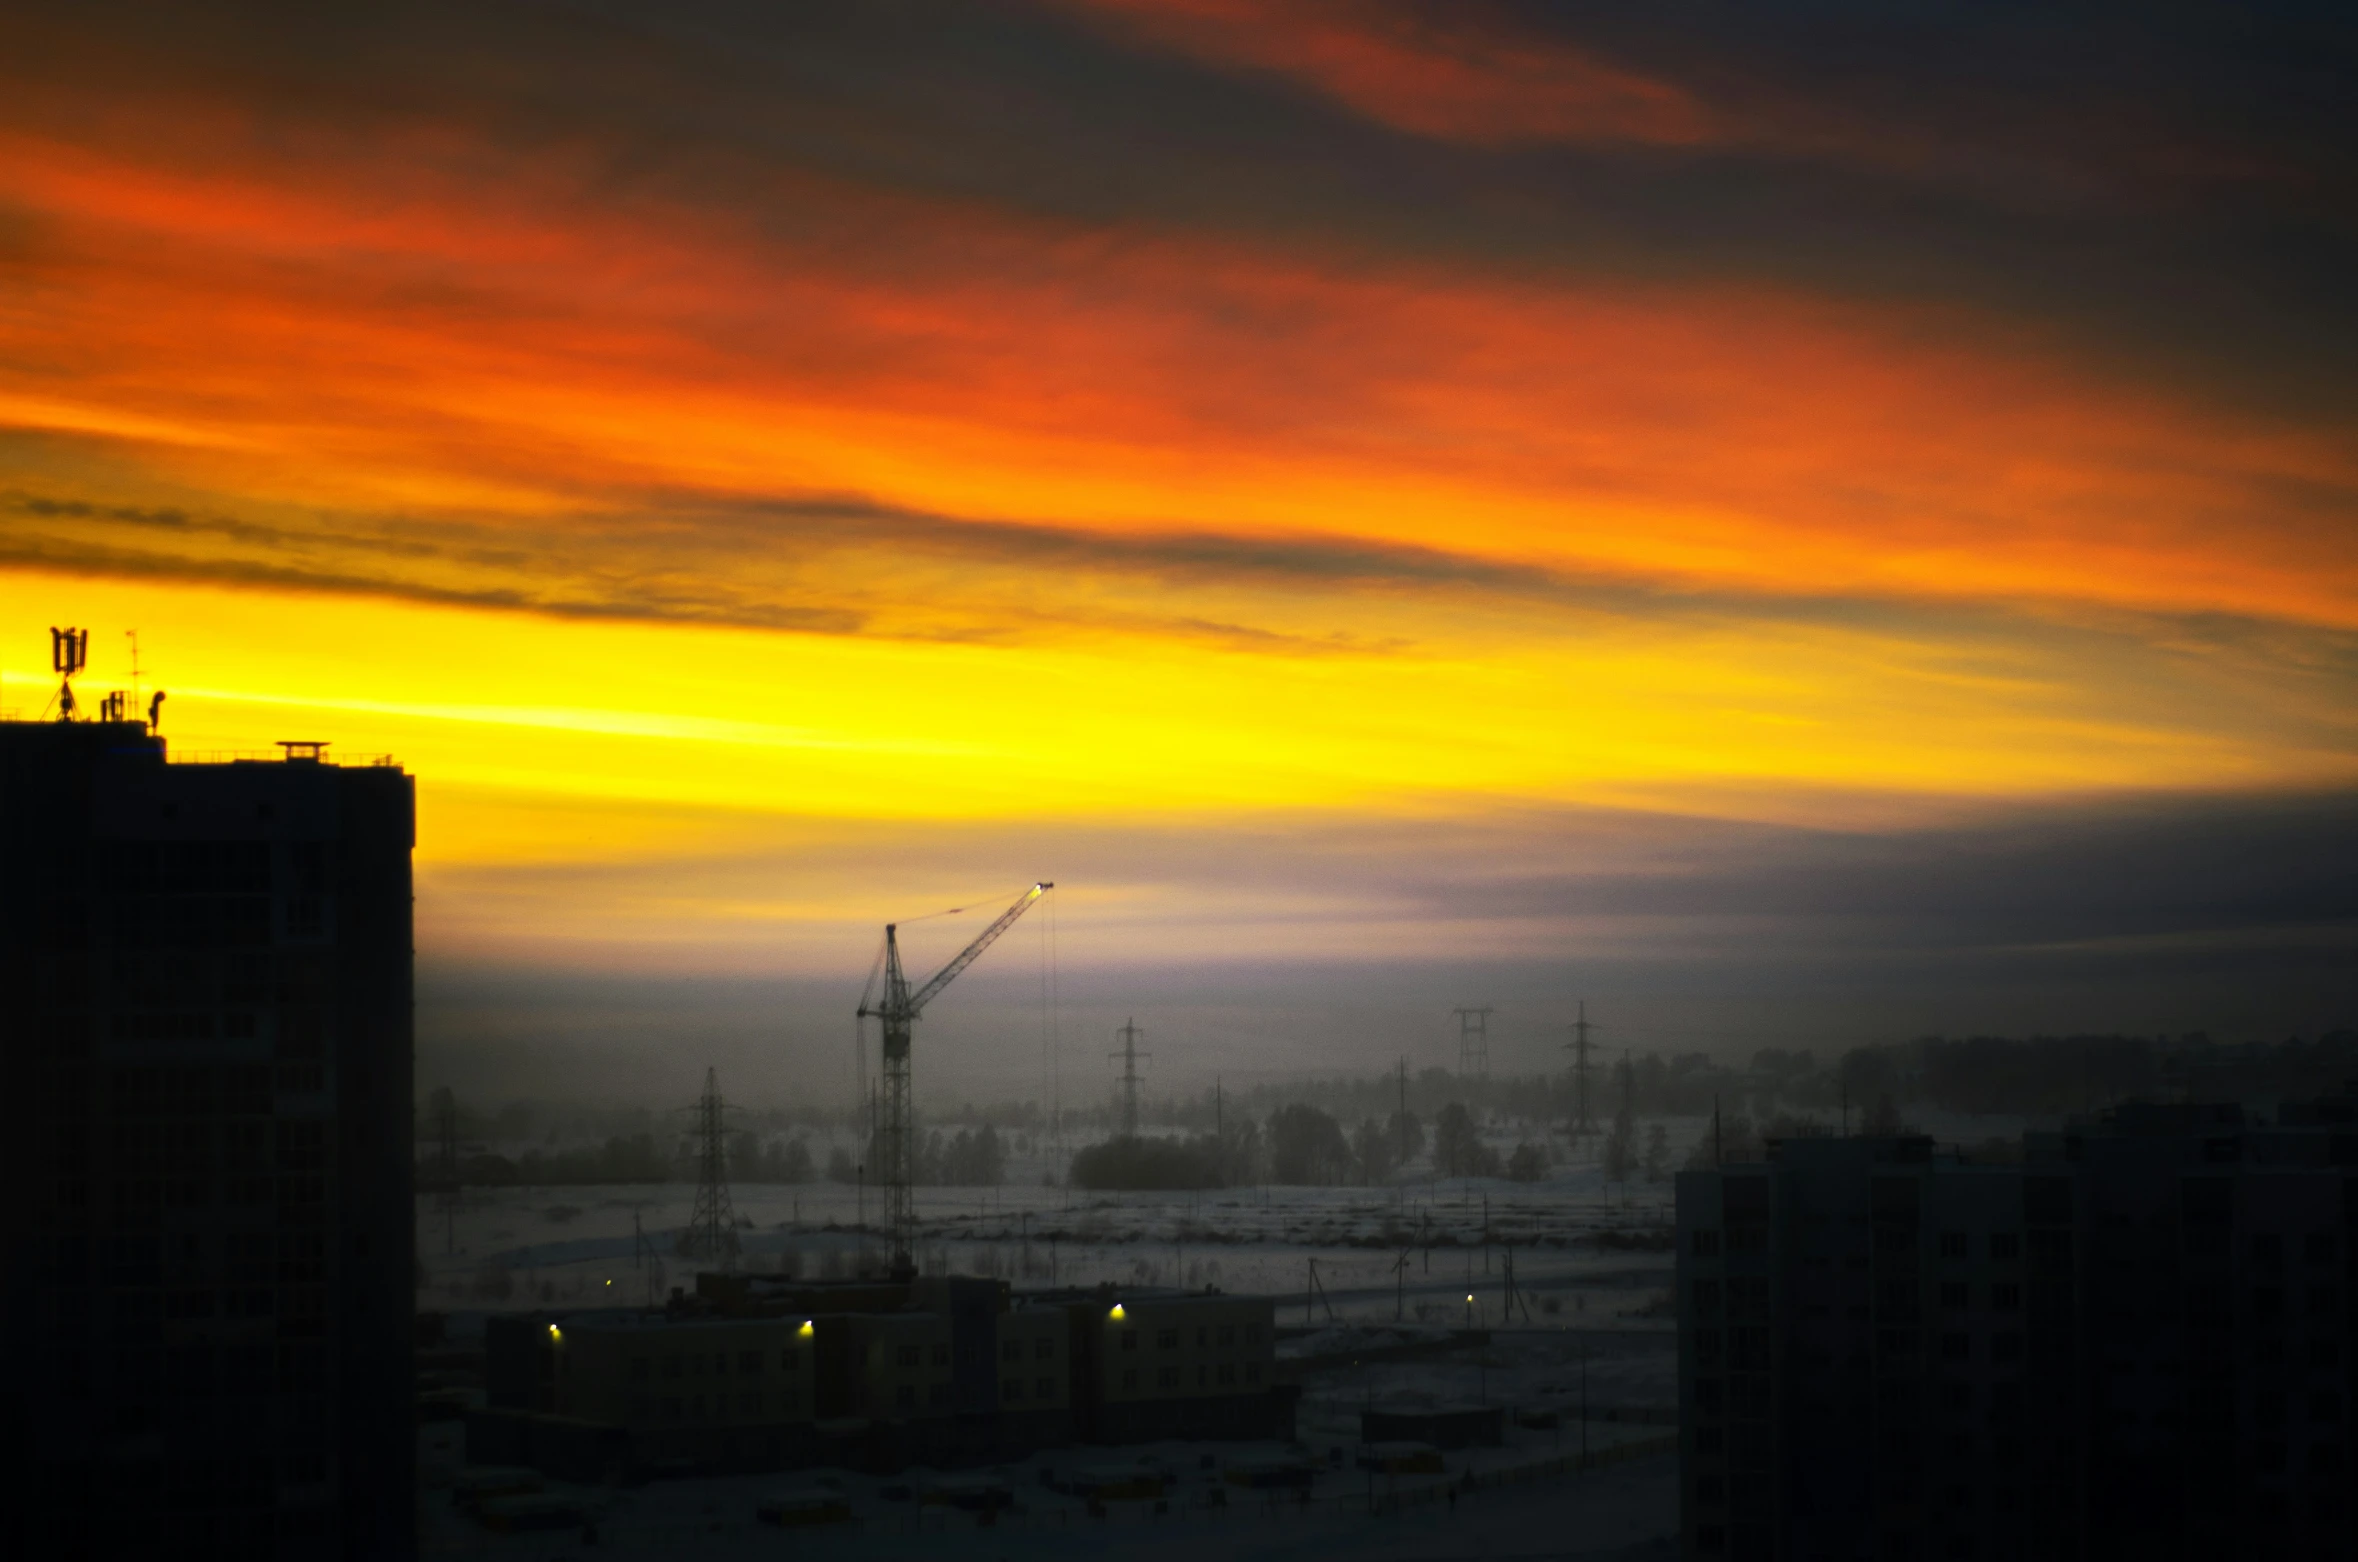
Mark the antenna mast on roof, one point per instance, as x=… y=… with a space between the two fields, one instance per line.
x=69 y=653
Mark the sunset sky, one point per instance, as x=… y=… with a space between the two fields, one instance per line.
x=1798 y=529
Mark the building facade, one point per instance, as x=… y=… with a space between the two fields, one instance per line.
x=759 y=1373
x=2133 y=1342
x=208 y=1045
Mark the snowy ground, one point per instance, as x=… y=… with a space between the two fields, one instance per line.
x=1393 y=1266
x=534 y=1247
x=1612 y=1509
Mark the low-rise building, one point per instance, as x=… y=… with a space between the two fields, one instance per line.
x=1151 y=1364
x=755 y=1372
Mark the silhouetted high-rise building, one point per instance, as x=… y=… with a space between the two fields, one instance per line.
x=205 y=1224
x=2136 y=1342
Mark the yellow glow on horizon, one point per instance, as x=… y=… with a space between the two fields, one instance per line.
x=629 y=729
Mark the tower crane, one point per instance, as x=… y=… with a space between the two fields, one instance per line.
x=896 y=1008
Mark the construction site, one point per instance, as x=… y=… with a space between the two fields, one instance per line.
x=883 y=1356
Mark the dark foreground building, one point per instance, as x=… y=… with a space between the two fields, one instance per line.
x=759 y=1373
x=205 y=1041
x=2135 y=1343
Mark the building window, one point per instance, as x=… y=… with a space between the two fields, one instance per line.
x=1044 y=1348
x=1707 y=1298
x=1011 y=1350
x=912 y=1356
x=720 y=1365
x=1228 y=1334
x=749 y=1405
x=1167 y=1377
x=1129 y=1339
x=1228 y=1372
x=787 y=1360
x=1953 y=1295
x=1952 y=1244
x=749 y=1362
x=1130 y=1378
x=1011 y=1389
x=2005 y=1244
x=671 y=1366
x=941 y=1355
x=2006 y=1346
x=1166 y=1339
x=1045 y=1388
x=638 y=1369
x=1956 y=1347
x=671 y=1410
x=1252 y=1372
x=2006 y=1298
x=1706 y=1244
x=905 y=1397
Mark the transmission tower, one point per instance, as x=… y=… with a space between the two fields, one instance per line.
x=712 y=1229
x=1473 y=1041
x=1129 y=1056
x=1584 y=1119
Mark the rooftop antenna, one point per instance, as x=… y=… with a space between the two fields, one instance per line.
x=132 y=635
x=1473 y=1041
x=1129 y=1056
x=69 y=653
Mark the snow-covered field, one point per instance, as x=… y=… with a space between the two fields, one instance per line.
x=512 y=1248
x=1584 y=1322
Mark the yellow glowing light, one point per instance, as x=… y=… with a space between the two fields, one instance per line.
x=555 y=1333
x=1117 y=1313
x=807 y=1329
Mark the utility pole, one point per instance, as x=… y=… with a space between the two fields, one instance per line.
x=1128 y=1057
x=1473 y=1041
x=1584 y=1122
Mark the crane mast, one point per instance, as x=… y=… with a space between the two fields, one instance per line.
x=895 y=1009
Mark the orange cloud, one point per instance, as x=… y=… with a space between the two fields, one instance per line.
x=1458 y=74
x=406 y=333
